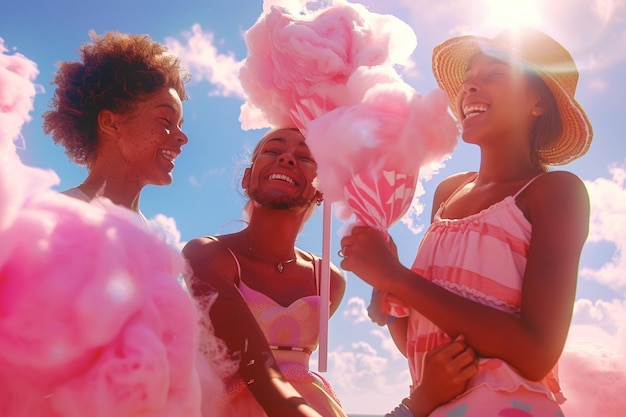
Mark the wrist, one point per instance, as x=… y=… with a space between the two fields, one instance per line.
x=400 y=411
x=417 y=406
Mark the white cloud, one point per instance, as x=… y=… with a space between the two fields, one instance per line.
x=166 y=225
x=365 y=381
x=387 y=342
x=355 y=310
x=370 y=376
x=608 y=222
x=200 y=56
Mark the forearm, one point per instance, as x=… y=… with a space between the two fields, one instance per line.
x=491 y=332
x=257 y=367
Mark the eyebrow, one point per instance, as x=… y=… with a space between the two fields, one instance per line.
x=169 y=106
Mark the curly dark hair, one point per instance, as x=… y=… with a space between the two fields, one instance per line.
x=114 y=72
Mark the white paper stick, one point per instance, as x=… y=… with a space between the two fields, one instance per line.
x=322 y=363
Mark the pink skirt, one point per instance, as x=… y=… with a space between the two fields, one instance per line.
x=485 y=402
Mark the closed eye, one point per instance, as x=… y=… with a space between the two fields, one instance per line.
x=306 y=158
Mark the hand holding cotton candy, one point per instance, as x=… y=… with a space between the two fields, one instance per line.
x=330 y=73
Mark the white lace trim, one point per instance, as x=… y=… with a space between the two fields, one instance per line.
x=478 y=296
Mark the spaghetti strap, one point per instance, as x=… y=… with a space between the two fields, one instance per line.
x=317 y=271
x=215 y=239
x=527 y=184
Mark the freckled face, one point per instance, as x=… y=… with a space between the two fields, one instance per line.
x=151 y=137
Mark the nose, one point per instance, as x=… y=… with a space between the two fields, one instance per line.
x=181 y=137
x=469 y=86
x=286 y=158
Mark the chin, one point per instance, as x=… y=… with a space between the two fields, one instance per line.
x=163 y=181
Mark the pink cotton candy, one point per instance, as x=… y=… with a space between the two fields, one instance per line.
x=372 y=148
x=304 y=60
x=330 y=72
x=16 y=94
x=93 y=320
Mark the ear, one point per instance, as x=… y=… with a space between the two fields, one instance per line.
x=537 y=111
x=537 y=108
x=319 y=197
x=107 y=123
x=245 y=181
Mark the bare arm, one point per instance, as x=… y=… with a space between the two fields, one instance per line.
x=337 y=288
x=214 y=272
x=558 y=207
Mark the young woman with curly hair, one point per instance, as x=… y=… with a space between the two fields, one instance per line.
x=118 y=111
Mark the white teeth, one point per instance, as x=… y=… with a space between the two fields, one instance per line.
x=169 y=155
x=474 y=109
x=281 y=177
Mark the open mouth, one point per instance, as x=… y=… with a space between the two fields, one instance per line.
x=282 y=177
x=473 y=110
x=169 y=155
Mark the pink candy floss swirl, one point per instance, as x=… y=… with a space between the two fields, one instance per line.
x=298 y=64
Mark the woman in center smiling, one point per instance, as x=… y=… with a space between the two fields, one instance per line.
x=259 y=275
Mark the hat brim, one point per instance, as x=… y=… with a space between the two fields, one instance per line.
x=450 y=61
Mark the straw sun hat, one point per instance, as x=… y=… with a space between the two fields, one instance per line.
x=541 y=54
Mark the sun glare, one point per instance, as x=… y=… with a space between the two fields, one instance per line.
x=511 y=13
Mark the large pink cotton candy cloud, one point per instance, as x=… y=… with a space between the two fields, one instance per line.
x=369 y=154
x=331 y=72
x=301 y=61
x=17 y=92
x=93 y=321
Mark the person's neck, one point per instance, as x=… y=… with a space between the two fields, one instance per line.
x=273 y=233
x=118 y=191
x=501 y=168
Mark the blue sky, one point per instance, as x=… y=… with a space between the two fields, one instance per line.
x=364 y=367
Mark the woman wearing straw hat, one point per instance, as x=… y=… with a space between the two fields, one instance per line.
x=499 y=261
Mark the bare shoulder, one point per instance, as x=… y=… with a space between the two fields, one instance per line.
x=209 y=259
x=337 y=287
x=558 y=204
x=559 y=188
x=336 y=271
x=448 y=186
x=337 y=275
x=199 y=247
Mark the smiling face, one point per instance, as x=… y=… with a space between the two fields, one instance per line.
x=282 y=172
x=496 y=102
x=150 y=137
